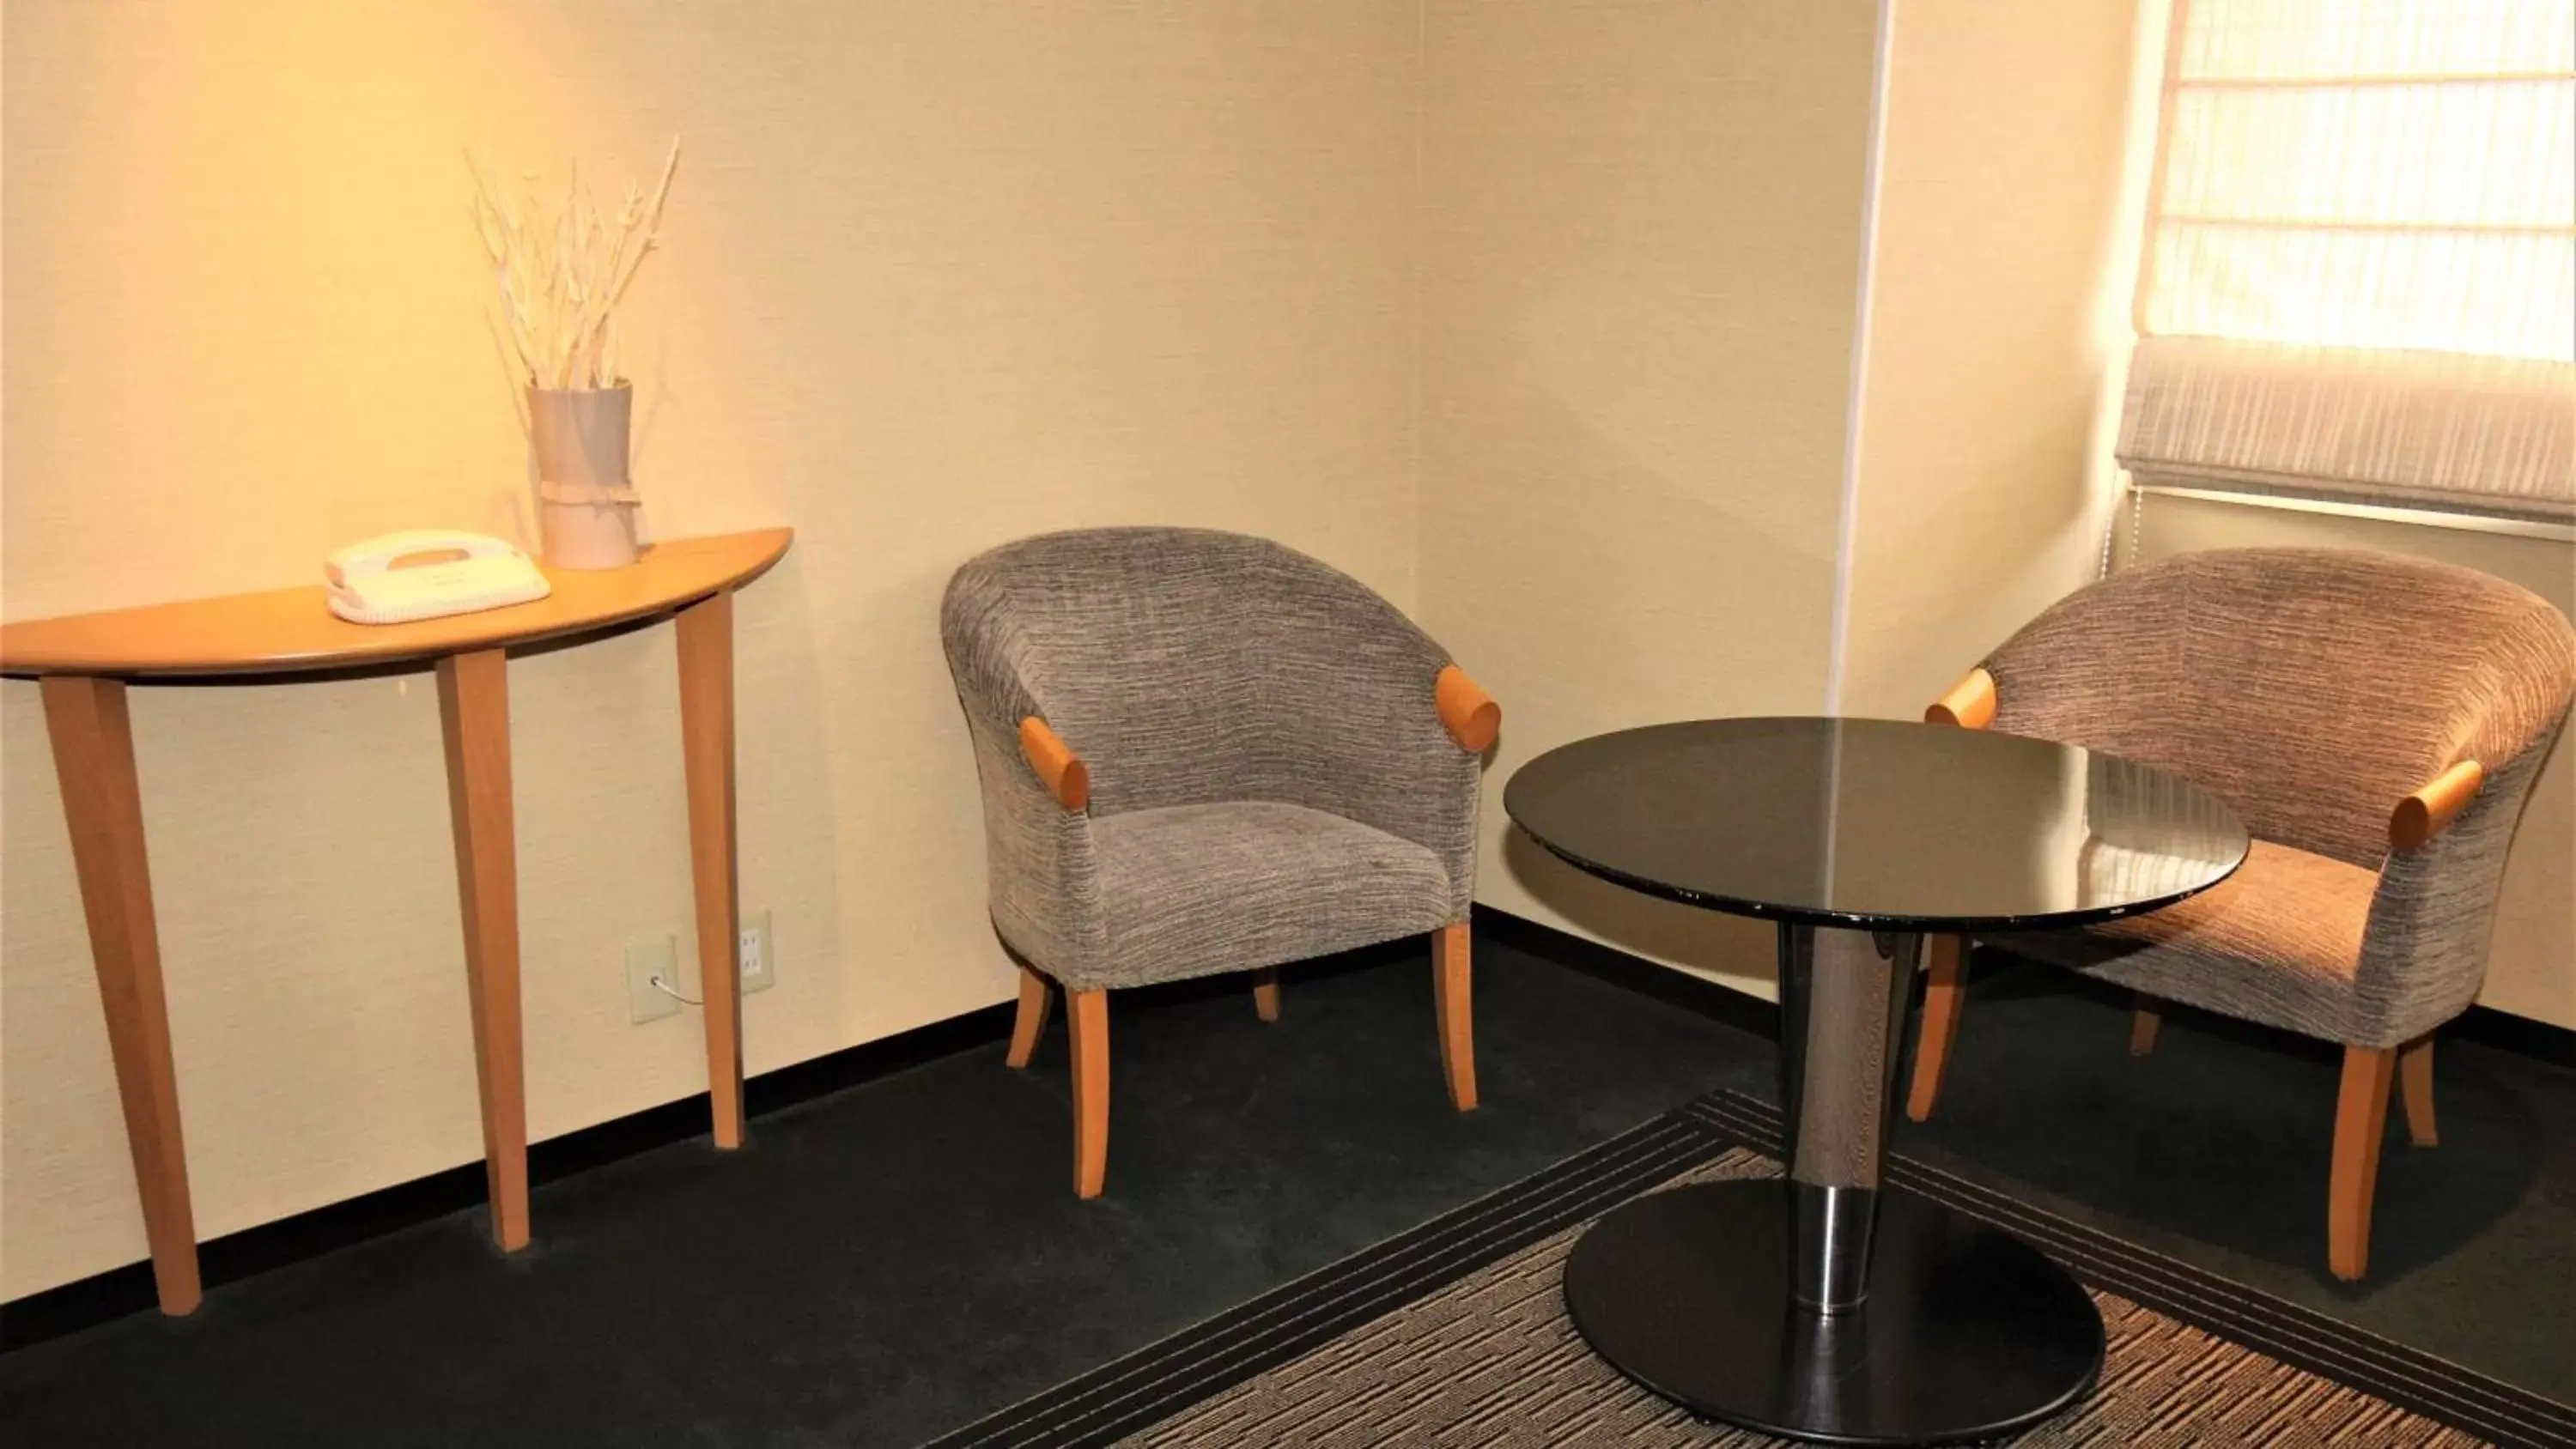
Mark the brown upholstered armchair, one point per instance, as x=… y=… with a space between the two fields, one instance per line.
x=1200 y=753
x=2378 y=722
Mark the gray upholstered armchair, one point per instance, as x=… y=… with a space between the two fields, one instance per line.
x=2378 y=722
x=1200 y=753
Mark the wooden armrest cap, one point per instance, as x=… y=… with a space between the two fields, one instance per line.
x=1470 y=715
x=1970 y=704
x=1059 y=768
x=2420 y=816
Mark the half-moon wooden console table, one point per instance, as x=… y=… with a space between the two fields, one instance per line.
x=84 y=662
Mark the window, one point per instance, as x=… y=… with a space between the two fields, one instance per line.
x=2359 y=279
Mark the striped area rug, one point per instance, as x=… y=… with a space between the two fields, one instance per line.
x=1455 y=1334
x=1492 y=1360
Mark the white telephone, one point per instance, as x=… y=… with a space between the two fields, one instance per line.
x=425 y=573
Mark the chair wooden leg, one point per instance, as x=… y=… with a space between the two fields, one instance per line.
x=2361 y=1117
x=1030 y=1024
x=1088 y=1014
x=1454 y=997
x=2143 y=1021
x=2415 y=1079
x=1265 y=992
x=1944 y=995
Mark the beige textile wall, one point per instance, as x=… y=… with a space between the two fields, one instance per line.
x=1538 y=316
x=936 y=276
x=1999 y=301
x=1642 y=246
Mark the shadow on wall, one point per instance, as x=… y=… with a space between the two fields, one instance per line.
x=1705 y=941
x=1657 y=569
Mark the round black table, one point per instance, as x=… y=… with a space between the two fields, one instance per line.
x=1820 y=1311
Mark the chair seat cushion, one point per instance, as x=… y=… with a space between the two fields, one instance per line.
x=2278 y=942
x=1192 y=890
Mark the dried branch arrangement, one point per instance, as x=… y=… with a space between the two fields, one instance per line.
x=563 y=270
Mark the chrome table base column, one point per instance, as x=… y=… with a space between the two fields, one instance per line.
x=1826 y=1310
x=1834 y=1097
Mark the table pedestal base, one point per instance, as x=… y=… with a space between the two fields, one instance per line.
x=1967 y=1332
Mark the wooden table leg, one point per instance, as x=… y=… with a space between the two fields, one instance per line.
x=706 y=748
x=474 y=714
x=103 y=803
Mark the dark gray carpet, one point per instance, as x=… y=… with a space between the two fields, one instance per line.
x=1492 y=1359
x=894 y=1260
x=2214 y=1149
x=891 y=1261
x=2347 y=1385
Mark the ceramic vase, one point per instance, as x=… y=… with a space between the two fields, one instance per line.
x=585 y=503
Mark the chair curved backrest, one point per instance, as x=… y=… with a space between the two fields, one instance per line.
x=1190 y=666
x=2312 y=688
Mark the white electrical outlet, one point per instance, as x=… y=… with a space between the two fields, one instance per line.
x=644 y=961
x=759 y=966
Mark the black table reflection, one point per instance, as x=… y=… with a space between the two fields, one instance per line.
x=1797 y=1310
x=1877 y=823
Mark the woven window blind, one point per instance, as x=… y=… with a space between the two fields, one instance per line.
x=2360 y=275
